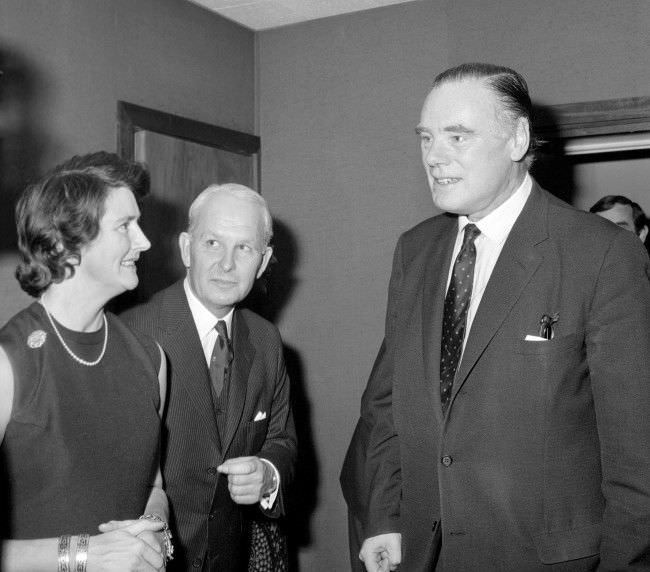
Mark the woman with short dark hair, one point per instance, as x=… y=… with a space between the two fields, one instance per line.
x=82 y=394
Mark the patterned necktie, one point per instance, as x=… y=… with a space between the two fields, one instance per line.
x=221 y=359
x=457 y=301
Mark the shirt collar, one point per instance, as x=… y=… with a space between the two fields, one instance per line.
x=497 y=225
x=204 y=320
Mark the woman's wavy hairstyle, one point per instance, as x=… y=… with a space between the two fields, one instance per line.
x=59 y=215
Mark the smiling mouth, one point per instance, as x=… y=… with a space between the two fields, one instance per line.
x=130 y=263
x=445 y=180
x=222 y=282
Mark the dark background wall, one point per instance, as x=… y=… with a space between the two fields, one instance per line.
x=335 y=102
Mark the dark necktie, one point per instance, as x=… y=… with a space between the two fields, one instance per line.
x=457 y=301
x=221 y=359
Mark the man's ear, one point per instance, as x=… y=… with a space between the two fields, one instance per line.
x=184 y=246
x=266 y=258
x=643 y=233
x=520 y=139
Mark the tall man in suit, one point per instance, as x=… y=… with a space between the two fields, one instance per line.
x=505 y=424
x=229 y=440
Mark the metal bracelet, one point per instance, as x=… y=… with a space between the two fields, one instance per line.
x=167 y=535
x=81 y=557
x=64 y=553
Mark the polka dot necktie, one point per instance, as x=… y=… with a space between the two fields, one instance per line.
x=457 y=301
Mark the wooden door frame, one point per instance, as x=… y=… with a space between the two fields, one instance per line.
x=619 y=119
x=132 y=118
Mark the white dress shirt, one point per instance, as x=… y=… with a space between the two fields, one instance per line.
x=205 y=322
x=495 y=228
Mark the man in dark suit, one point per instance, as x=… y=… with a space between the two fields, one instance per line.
x=505 y=425
x=229 y=440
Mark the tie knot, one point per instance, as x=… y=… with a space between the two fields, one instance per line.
x=471 y=232
x=222 y=330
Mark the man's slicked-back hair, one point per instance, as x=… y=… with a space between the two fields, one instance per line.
x=235 y=190
x=510 y=88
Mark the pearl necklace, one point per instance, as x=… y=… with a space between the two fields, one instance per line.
x=74 y=356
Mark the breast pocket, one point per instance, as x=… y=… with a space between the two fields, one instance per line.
x=555 y=369
x=559 y=345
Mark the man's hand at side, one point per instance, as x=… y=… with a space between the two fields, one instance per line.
x=382 y=552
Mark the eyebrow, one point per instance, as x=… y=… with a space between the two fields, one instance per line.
x=127 y=218
x=456 y=128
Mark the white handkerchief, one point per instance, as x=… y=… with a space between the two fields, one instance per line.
x=530 y=338
x=260 y=416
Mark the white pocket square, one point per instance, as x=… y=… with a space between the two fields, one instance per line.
x=530 y=338
x=260 y=416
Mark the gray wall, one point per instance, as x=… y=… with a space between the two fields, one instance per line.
x=338 y=101
x=68 y=62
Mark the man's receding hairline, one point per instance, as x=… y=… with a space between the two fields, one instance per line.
x=503 y=119
x=214 y=192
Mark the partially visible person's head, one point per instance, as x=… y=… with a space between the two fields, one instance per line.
x=623 y=212
x=61 y=215
x=476 y=137
x=226 y=246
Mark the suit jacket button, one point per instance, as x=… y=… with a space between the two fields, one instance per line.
x=196 y=563
x=212 y=470
x=210 y=517
x=446 y=460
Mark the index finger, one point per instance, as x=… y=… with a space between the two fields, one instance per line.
x=238 y=466
x=115 y=525
x=141 y=525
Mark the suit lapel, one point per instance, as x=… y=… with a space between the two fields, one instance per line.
x=244 y=353
x=433 y=300
x=187 y=357
x=515 y=267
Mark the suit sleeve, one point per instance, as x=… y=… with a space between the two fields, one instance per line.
x=280 y=443
x=378 y=475
x=618 y=354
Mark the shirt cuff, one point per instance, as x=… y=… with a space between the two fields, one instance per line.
x=268 y=500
